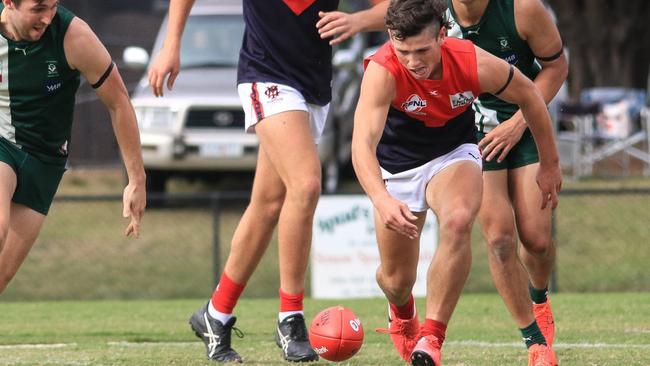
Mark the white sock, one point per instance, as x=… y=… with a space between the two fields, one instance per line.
x=285 y=314
x=214 y=314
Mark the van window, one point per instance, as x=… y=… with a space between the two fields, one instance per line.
x=212 y=41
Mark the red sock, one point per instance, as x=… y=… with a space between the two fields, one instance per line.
x=291 y=302
x=435 y=328
x=226 y=294
x=405 y=311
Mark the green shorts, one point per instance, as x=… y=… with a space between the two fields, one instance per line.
x=37 y=181
x=522 y=154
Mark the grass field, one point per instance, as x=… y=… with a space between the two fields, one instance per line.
x=82 y=254
x=592 y=329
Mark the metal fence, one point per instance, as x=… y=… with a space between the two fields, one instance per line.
x=602 y=238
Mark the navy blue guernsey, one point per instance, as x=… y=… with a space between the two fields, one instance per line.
x=432 y=117
x=424 y=143
x=281 y=45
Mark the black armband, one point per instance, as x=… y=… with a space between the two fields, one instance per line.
x=510 y=75
x=552 y=58
x=104 y=76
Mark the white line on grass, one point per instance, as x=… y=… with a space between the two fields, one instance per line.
x=36 y=346
x=637 y=330
x=451 y=343
x=555 y=345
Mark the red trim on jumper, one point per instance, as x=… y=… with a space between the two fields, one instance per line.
x=298 y=6
x=226 y=294
x=291 y=302
x=257 y=105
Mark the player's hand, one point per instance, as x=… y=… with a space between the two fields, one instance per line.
x=502 y=138
x=166 y=63
x=549 y=180
x=337 y=25
x=134 y=201
x=396 y=216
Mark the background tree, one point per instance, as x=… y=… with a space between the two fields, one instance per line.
x=608 y=42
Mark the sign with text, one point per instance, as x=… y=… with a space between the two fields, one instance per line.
x=344 y=254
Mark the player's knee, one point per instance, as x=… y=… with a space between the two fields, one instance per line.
x=458 y=220
x=502 y=247
x=537 y=246
x=271 y=207
x=306 y=190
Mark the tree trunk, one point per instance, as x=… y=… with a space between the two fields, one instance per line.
x=608 y=42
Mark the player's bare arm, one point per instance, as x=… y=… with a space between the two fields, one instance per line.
x=340 y=26
x=535 y=26
x=506 y=82
x=377 y=91
x=87 y=54
x=167 y=62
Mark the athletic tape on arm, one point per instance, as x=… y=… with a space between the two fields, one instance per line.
x=104 y=76
x=551 y=58
x=510 y=75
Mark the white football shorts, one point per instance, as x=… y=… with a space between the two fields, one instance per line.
x=410 y=186
x=261 y=100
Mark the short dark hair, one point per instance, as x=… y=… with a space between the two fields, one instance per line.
x=17 y=2
x=407 y=18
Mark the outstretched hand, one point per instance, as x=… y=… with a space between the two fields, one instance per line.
x=337 y=25
x=498 y=142
x=396 y=216
x=549 y=180
x=134 y=201
x=167 y=63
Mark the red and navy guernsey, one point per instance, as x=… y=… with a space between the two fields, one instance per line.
x=428 y=118
x=281 y=45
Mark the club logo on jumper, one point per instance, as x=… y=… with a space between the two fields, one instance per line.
x=272 y=92
x=414 y=104
x=504 y=43
x=52 y=70
x=23 y=50
x=460 y=99
x=434 y=93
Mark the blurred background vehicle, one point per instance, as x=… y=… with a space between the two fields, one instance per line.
x=196 y=131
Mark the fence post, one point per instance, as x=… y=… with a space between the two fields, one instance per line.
x=216 y=239
x=553 y=280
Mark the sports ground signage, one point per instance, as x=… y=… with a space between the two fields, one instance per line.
x=344 y=255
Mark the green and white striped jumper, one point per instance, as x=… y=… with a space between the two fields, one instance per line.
x=37 y=92
x=496 y=33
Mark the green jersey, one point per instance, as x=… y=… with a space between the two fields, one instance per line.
x=496 y=33
x=37 y=92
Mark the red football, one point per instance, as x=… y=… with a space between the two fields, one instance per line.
x=336 y=333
